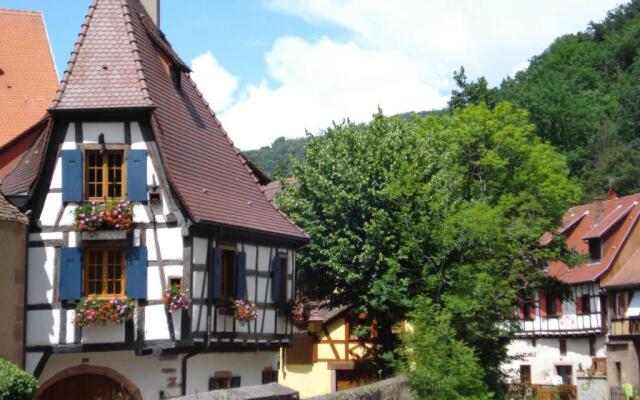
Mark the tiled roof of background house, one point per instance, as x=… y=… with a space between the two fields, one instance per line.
x=611 y=220
x=8 y=212
x=28 y=78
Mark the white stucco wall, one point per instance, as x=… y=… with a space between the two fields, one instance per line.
x=146 y=371
x=545 y=355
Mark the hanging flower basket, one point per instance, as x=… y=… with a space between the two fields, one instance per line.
x=94 y=311
x=298 y=314
x=245 y=311
x=176 y=298
x=94 y=216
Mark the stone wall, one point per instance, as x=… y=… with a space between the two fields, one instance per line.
x=388 y=389
x=592 y=388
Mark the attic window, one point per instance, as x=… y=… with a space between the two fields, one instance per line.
x=595 y=250
x=176 y=78
x=1 y=72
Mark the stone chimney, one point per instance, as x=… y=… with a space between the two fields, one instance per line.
x=153 y=8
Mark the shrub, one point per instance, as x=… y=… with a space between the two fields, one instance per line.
x=16 y=384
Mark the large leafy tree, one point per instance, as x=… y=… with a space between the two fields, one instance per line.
x=449 y=208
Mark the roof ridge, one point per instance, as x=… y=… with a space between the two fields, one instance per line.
x=74 y=53
x=18 y=11
x=242 y=158
x=133 y=42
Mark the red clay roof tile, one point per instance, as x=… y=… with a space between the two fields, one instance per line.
x=28 y=78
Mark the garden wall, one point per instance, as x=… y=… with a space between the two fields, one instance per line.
x=388 y=389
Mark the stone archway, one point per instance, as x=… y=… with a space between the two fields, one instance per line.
x=88 y=378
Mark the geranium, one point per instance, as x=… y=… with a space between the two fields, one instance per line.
x=92 y=216
x=176 y=298
x=245 y=311
x=92 y=311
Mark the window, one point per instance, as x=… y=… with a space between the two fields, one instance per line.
x=525 y=374
x=223 y=380
x=175 y=281
x=175 y=74
x=599 y=365
x=269 y=375
x=104 y=175
x=104 y=272
x=229 y=276
x=595 y=250
x=619 y=305
x=585 y=299
x=552 y=309
x=566 y=372
x=619 y=373
x=563 y=347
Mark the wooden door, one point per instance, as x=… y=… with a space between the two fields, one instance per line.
x=86 y=387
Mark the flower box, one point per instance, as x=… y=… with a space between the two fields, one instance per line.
x=94 y=216
x=98 y=311
x=104 y=235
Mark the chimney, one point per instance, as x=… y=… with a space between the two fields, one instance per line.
x=598 y=209
x=153 y=8
x=612 y=195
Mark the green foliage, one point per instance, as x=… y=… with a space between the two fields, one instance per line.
x=436 y=363
x=448 y=207
x=470 y=92
x=16 y=384
x=275 y=160
x=583 y=89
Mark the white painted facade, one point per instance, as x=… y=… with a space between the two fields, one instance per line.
x=538 y=345
x=137 y=350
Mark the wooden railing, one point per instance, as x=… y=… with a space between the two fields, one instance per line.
x=625 y=326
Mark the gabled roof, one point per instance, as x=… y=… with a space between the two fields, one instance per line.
x=213 y=180
x=28 y=78
x=612 y=223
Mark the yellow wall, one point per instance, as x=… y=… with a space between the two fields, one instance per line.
x=309 y=380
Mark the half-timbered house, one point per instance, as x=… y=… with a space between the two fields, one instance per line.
x=562 y=340
x=128 y=128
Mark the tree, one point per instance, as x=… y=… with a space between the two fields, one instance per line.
x=437 y=365
x=470 y=92
x=447 y=207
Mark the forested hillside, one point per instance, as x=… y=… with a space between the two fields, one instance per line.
x=582 y=94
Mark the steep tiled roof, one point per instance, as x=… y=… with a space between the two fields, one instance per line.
x=104 y=70
x=213 y=180
x=28 y=78
x=628 y=274
x=8 y=212
x=612 y=222
x=210 y=175
x=28 y=167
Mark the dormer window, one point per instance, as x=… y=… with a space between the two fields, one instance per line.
x=595 y=250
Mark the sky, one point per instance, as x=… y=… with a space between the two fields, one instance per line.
x=273 y=68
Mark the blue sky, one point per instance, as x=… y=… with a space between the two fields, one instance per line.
x=275 y=68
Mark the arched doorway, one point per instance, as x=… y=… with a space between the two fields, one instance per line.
x=86 y=382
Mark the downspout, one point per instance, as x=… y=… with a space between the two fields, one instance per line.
x=183 y=383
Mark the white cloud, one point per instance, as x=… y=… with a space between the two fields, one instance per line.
x=216 y=84
x=399 y=55
x=327 y=81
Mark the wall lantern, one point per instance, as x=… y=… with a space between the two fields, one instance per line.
x=315 y=321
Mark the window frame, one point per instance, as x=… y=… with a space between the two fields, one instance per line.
x=552 y=309
x=526 y=381
x=105 y=271
x=591 y=246
x=86 y=151
x=229 y=289
x=585 y=299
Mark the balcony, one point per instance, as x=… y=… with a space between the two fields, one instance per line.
x=625 y=326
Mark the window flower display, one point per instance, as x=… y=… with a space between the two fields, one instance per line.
x=93 y=216
x=176 y=298
x=94 y=311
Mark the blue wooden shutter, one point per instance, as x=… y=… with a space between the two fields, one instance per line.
x=71 y=175
x=217 y=273
x=241 y=276
x=137 y=272
x=137 y=175
x=276 y=281
x=70 y=273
